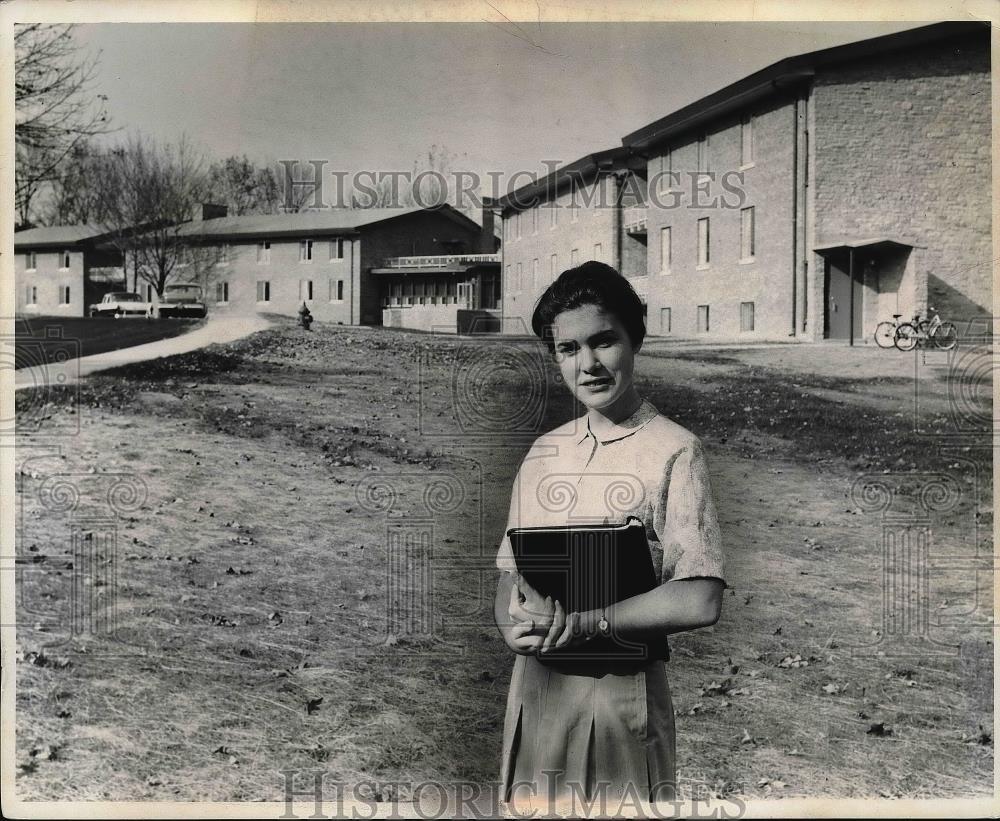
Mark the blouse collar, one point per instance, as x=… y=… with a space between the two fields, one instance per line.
x=626 y=427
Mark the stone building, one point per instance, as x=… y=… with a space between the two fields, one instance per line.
x=825 y=193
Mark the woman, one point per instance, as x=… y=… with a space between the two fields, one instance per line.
x=599 y=731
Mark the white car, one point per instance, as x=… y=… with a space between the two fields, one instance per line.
x=182 y=300
x=120 y=304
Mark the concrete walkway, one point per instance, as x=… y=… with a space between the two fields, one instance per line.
x=216 y=330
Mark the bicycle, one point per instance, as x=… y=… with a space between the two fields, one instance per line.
x=944 y=335
x=885 y=332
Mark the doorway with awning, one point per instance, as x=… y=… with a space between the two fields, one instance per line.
x=866 y=281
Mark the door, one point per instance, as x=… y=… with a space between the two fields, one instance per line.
x=465 y=294
x=838 y=301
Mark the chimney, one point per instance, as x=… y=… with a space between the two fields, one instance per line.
x=208 y=211
x=487 y=236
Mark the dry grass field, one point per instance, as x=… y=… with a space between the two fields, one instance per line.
x=209 y=589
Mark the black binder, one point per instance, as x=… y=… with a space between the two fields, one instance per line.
x=588 y=567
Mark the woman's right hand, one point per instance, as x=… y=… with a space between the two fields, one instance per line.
x=527 y=604
x=521 y=640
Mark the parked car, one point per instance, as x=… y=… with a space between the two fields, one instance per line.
x=182 y=300
x=121 y=304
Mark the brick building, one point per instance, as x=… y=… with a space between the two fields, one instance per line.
x=575 y=213
x=864 y=171
x=335 y=261
x=59 y=270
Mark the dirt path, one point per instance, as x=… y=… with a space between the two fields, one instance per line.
x=218 y=330
x=263 y=621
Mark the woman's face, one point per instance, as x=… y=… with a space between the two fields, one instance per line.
x=595 y=356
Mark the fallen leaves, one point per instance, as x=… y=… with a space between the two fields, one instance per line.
x=796 y=661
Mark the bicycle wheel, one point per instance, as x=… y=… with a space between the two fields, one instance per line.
x=946 y=336
x=906 y=337
x=885 y=334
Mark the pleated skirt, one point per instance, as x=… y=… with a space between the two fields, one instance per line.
x=580 y=734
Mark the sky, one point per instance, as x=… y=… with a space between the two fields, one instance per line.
x=380 y=95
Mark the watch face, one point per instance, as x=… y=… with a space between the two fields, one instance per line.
x=603 y=626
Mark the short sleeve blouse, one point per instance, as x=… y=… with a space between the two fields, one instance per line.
x=646 y=467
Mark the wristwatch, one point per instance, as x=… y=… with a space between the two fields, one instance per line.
x=603 y=626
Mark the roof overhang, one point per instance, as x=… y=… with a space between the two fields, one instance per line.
x=579 y=172
x=875 y=243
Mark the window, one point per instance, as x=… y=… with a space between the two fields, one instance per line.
x=746 y=316
x=553 y=214
x=510 y=282
x=574 y=214
x=147 y=292
x=553 y=266
x=305 y=289
x=747 y=240
x=306 y=251
x=703 y=319
x=598 y=251
x=222 y=292
x=263 y=290
x=664 y=320
x=666 y=170
x=337 y=290
x=336 y=249
x=704 y=256
x=534 y=274
x=224 y=254
x=31 y=295
x=534 y=220
x=703 y=158
x=517 y=224
x=746 y=141
x=666 y=251
x=64 y=260
x=263 y=252
x=31 y=261
x=573 y=258
x=64 y=294
x=519 y=277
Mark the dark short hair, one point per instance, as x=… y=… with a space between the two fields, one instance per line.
x=592 y=283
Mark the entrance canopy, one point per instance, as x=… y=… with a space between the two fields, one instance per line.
x=874 y=243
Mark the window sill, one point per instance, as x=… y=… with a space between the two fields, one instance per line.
x=748 y=166
x=707 y=267
x=748 y=261
x=341 y=302
x=222 y=302
x=263 y=302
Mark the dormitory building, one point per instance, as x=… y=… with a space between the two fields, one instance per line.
x=867 y=162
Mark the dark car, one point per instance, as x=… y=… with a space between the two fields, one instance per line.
x=182 y=301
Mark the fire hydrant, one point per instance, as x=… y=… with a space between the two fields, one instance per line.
x=305 y=318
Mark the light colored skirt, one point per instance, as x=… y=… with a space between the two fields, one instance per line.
x=573 y=735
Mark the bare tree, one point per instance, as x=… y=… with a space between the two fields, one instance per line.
x=246 y=189
x=74 y=195
x=148 y=195
x=55 y=106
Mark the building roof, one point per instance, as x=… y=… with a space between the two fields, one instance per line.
x=582 y=170
x=51 y=236
x=786 y=73
x=309 y=223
